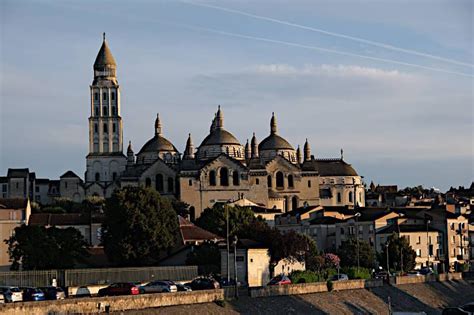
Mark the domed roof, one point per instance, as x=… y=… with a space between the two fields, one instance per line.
x=220 y=136
x=274 y=142
x=157 y=144
x=104 y=57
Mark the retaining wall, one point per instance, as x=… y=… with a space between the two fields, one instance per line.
x=428 y=278
x=115 y=303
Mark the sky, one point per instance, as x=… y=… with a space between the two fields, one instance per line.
x=389 y=82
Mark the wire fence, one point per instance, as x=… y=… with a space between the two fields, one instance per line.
x=79 y=277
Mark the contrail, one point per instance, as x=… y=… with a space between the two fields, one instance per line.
x=313 y=29
x=275 y=41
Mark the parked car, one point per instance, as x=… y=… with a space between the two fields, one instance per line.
x=11 y=294
x=181 y=287
x=382 y=274
x=53 y=293
x=414 y=273
x=279 y=280
x=158 y=287
x=340 y=277
x=455 y=311
x=426 y=271
x=203 y=283
x=226 y=283
x=469 y=307
x=32 y=294
x=120 y=288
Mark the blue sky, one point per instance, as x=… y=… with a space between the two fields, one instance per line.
x=398 y=124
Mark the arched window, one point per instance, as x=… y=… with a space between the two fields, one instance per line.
x=269 y=181
x=309 y=184
x=339 y=199
x=170 y=184
x=114 y=128
x=294 y=203
x=104 y=111
x=97 y=177
x=105 y=128
x=114 y=176
x=96 y=96
x=290 y=181
x=114 y=110
x=104 y=96
x=224 y=176
x=279 y=180
x=212 y=178
x=190 y=182
x=350 y=196
x=148 y=182
x=159 y=182
x=112 y=96
x=96 y=128
x=235 y=178
x=97 y=111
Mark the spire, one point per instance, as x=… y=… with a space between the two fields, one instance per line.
x=157 y=125
x=219 y=118
x=189 y=151
x=213 y=123
x=248 y=153
x=298 y=154
x=130 y=155
x=254 y=150
x=307 y=151
x=273 y=124
x=104 y=57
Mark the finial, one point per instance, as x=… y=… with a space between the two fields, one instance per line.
x=103 y=36
x=273 y=124
x=342 y=154
x=157 y=125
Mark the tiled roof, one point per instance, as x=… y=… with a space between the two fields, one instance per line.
x=325 y=220
x=18 y=172
x=406 y=228
x=13 y=203
x=69 y=174
x=331 y=167
x=61 y=219
x=193 y=233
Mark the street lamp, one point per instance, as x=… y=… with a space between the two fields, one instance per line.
x=357 y=215
x=235 y=266
x=228 y=245
x=428 y=243
x=388 y=265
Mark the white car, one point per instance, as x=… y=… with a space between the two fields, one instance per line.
x=11 y=294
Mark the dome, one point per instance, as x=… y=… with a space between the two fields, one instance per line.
x=220 y=136
x=274 y=142
x=104 y=57
x=158 y=144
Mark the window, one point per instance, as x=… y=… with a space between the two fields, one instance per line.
x=235 y=178
x=170 y=184
x=453 y=239
x=105 y=128
x=96 y=96
x=418 y=252
x=114 y=128
x=114 y=110
x=279 y=180
x=350 y=196
x=212 y=178
x=112 y=95
x=97 y=177
x=97 y=111
x=342 y=231
x=294 y=203
x=65 y=185
x=148 y=182
x=104 y=111
x=114 y=176
x=96 y=128
x=4 y=188
x=224 y=176
x=419 y=240
x=309 y=184
x=361 y=229
x=37 y=189
x=159 y=182
x=104 y=96
x=269 y=181
x=190 y=182
x=257 y=181
x=290 y=181
x=339 y=197
x=351 y=230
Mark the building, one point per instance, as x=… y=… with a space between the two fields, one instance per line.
x=13 y=213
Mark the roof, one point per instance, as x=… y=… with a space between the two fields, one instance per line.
x=406 y=228
x=104 y=57
x=325 y=220
x=340 y=209
x=69 y=174
x=332 y=167
x=18 y=172
x=248 y=243
x=220 y=136
x=3 y=179
x=193 y=233
x=274 y=142
x=60 y=219
x=13 y=203
x=301 y=210
x=156 y=144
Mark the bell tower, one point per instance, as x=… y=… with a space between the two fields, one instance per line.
x=105 y=161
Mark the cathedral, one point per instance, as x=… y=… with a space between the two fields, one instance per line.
x=269 y=173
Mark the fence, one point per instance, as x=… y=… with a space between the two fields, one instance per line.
x=78 y=277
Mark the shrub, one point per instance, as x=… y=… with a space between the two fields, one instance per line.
x=307 y=276
x=328 y=273
x=330 y=285
x=352 y=273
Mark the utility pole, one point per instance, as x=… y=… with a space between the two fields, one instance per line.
x=388 y=265
x=228 y=246
x=428 y=243
x=357 y=215
x=235 y=267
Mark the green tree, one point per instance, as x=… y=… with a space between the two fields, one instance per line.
x=401 y=255
x=38 y=248
x=207 y=256
x=348 y=253
x=138 y=226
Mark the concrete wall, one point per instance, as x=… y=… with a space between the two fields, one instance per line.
x=117 y=303
x=428 y=278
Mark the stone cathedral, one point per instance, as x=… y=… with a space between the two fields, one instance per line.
x=269 y=173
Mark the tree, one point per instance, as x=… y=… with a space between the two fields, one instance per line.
x=401 y=255
x=207 y=256
x=38 y=248
x=348 y=253
x=138 y=226
x=181 y=208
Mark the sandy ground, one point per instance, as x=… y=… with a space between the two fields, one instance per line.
x=428 y=297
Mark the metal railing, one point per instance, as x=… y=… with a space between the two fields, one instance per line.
x=34 y=278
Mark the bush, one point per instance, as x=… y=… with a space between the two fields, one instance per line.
x=352 y=273
x=299 y=276
x=328 y=273
x=330 y=285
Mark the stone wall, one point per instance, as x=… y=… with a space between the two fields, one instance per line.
x=356 y=284
x=428 y=278
x=116 y=303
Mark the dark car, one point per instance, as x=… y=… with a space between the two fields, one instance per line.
x=53 y=293
x=32 y=294
x=227 y=283
x=119 y=288
x=455 y=311
x=181 y=287
x=203 y=283
x=279 y=280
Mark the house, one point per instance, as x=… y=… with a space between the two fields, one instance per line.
x=13 y=213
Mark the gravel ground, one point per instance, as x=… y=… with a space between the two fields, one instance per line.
x=427 y=297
